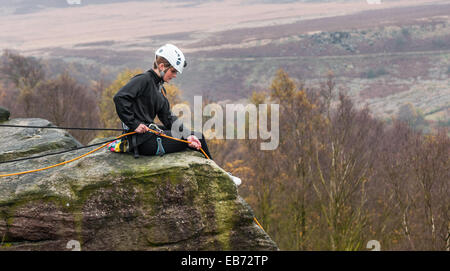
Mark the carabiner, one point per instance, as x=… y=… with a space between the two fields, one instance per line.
x=156 y=128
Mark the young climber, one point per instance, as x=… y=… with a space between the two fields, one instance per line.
x=144 y=97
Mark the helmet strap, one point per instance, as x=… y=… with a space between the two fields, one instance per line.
x=162 y=73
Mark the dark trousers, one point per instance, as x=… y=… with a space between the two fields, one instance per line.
x=150 y=145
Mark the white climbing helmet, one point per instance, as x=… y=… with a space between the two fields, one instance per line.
x=173 y=55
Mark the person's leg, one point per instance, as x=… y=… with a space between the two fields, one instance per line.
x=150 y=146
x=200 y=136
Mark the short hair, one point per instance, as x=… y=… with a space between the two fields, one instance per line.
x=159 y=60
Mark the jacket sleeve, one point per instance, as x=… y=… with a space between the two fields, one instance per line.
x=125 y=100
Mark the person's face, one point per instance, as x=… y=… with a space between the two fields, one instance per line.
x=170 y=74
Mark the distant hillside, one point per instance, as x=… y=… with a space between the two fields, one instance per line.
x=29 y=6
x=384 y=56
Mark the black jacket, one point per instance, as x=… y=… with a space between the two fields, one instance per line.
x=141 y=100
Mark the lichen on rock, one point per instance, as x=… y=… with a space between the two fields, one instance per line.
x=111 y=201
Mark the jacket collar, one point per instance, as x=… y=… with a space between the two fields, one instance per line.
x=156 y=77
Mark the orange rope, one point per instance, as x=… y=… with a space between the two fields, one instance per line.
x=65 y=162
x=257 y=223
x=181 y=140
x=102 y=146
x=177 y=139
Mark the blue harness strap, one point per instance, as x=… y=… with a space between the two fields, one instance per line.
x=160 y=151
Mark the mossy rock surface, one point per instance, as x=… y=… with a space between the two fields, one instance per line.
x=23 y=142
x=111 y=201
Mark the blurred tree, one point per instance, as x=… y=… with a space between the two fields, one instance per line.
x=173 y=94
x=65 y=102
x=25 y=73
x=408 y=113
x=282 y=87
x=413 y=116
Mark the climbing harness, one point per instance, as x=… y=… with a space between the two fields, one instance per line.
x=160 y=151
x=159 y=132
x=155 y=127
